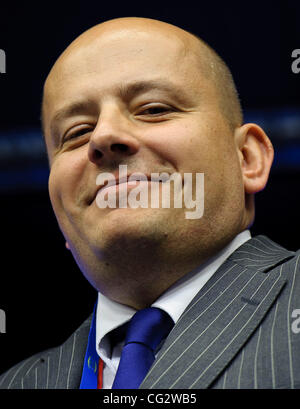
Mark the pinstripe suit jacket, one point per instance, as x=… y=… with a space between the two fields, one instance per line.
x=236 y=333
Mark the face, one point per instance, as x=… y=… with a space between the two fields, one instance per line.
x=136 y=97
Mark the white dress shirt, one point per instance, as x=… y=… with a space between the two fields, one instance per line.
x=111 y=315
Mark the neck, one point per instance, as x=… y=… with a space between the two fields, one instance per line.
x=138 y=281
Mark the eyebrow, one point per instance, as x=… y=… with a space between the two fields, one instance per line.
x=125 y=92
x=74 y=108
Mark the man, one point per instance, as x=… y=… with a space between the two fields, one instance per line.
x=152 y=97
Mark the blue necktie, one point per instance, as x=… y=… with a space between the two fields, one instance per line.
x=146 y=329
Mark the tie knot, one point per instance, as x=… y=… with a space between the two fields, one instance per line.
x=149 y=326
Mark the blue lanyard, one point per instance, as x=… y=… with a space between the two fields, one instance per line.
x=90 y=366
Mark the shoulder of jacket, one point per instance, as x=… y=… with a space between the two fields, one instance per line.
x=14 y=377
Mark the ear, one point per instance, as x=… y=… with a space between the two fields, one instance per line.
x=67 y=245
x=256 y=156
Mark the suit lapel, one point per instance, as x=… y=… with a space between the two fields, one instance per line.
x=220 y=319
x=61 y=367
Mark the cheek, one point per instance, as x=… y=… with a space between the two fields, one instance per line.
x=53 y=186
x=177 y=143
x=65 y=175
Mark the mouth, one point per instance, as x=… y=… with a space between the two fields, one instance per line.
x=128 y=181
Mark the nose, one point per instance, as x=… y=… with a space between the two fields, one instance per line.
x=112 y=139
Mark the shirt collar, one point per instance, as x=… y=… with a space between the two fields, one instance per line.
x=174 y=301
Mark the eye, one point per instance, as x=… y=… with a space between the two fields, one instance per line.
x=77 y=133
x=155 y=110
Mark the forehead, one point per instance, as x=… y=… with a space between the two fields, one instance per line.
x=105 y=60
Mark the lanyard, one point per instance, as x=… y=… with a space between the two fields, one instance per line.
x=91 y=377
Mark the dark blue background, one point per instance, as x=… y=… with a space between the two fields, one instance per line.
x=43 y=293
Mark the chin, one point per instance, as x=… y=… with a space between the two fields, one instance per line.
x=131 y=228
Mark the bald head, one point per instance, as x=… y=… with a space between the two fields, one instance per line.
x=208 y=62
x=155 y=98
x=219 y=73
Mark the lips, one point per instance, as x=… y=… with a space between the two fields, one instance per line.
x=118 y=184
x=130 y=180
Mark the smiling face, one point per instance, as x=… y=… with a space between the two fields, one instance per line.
x=132 y=93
